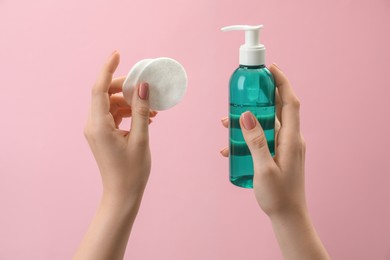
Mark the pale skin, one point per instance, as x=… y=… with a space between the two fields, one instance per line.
x=124 y=161
x=279 y=182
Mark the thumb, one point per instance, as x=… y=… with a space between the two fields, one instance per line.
x=255 y=139
x=140 y=114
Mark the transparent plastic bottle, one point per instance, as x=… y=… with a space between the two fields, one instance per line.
x=252 y=89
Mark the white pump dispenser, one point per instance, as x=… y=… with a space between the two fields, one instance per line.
x=252 y=53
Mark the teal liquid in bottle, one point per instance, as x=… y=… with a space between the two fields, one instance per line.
x=252 y=88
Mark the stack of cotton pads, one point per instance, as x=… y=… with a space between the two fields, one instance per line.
x=167 y=81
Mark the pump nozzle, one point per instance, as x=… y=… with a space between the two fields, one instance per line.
x=252 y=53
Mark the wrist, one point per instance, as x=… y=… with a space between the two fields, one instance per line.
x=297 y=236
x=123 y=203
x=122 y=191
x=291 y=216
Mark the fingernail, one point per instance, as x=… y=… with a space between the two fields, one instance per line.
x=224 y=119
x=114 y=52
x=143 y=91
x=276 y=65
x=225 y=152
x=248 y=120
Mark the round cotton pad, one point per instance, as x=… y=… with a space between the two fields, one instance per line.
x=167 y=81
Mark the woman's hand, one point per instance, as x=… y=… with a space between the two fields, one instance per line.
x=123 y=156
x=279 y=182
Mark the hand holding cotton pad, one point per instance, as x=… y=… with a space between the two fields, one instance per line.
x=167 y=81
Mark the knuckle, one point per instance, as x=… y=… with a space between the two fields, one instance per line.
x=296 y=103
x=142 y=141
x=267 y=170
x=94 y=90
x=92 y=132
x=303 y=144
x=258 y=141
x=143 y=111
x=88 y=133
x=298 y=145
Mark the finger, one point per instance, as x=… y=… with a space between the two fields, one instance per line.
x=225 y=152
x=277 y=129
x=119 y=114
x=117 y=103
x=255 y=139
x=225 y=122
x=119 y=107
x=290 y=102
x=278 y=106
x=100 y=104
x=117 y=120
x=122 y=132
x=114 y=109
x=118 y=100
x=140 y=113
x=153 y=113
x=116 y=85
x=124 y=112
x=277 y=126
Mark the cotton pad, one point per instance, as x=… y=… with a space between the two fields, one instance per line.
x=167 y=81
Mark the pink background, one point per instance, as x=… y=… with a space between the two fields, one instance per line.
x=336 y=54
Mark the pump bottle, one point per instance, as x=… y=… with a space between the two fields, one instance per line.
x=252 y=88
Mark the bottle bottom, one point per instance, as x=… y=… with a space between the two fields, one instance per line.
x=245 y=181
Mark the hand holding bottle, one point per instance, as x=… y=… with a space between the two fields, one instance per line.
x=278 y=182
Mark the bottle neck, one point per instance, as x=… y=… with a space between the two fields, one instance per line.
x=252 y=67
